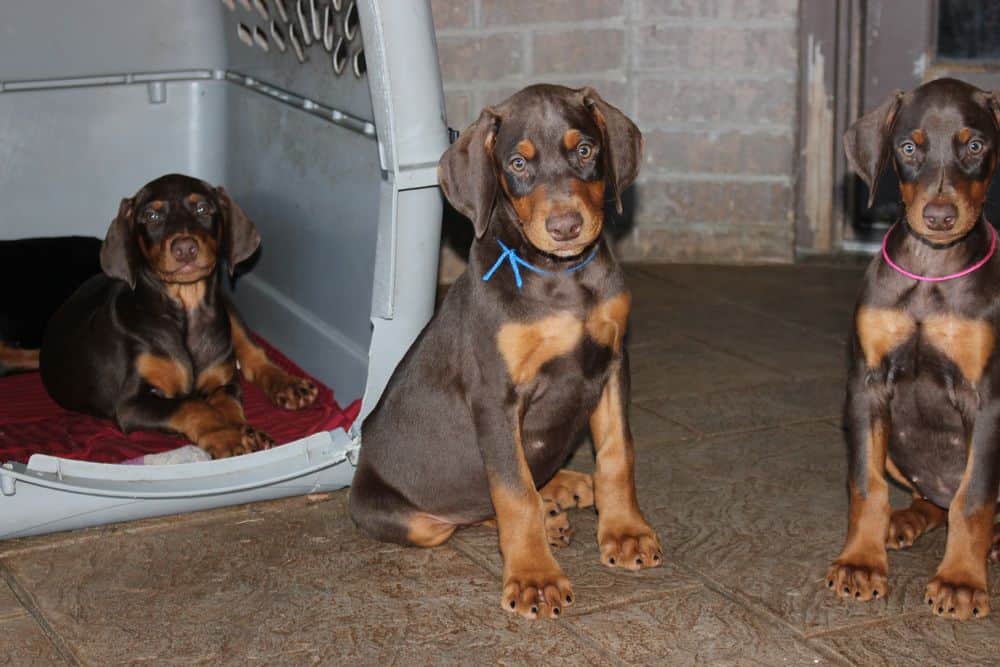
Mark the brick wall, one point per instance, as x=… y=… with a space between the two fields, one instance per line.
x=711 y=83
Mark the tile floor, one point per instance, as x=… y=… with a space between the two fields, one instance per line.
x=737 y=386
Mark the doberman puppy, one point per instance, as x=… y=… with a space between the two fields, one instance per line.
x=38 y=275
x=525 y=350
x=153 y=342
x=923 y=392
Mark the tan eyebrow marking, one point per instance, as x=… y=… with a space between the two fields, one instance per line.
x=571 y=139
x=526 y=148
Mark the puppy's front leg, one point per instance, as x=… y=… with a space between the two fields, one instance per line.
x=860 y=571
x=959 y=589
x=623 y=534
x=533 y=583
x=195 y=419
x=282 y=388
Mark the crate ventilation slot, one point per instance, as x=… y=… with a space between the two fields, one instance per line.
x=303 y=27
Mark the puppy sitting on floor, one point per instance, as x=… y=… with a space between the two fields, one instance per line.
x=525 y=351
x=923 y=392
x=153 y=342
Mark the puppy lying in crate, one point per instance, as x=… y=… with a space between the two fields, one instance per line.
x=153 y=342
x=525 y=351
x=922 y=392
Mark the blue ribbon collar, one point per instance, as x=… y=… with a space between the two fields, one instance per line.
x=510 y=256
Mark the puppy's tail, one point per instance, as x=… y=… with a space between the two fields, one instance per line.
x=14 y=359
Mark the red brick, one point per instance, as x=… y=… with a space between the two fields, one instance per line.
x=451 y=13
x=730 y=50
x=509 y=12
x=671 y=202
x=725 y=153
x=716 y=101
x=718 y=9
x=484 y=58
x=594 y=50
x=458 y=109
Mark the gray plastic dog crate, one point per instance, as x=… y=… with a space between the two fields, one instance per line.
x=324 y=119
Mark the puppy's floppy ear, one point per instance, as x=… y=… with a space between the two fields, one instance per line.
x=866 y=142
x=621 y=144
x=118 y=259
x=239 y=233
x=993 y=101
x=466 y=172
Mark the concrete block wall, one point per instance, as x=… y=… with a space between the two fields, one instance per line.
x=711 y=83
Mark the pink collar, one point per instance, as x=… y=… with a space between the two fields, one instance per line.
x=937 y=279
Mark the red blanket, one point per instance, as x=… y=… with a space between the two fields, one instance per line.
x=31 y=423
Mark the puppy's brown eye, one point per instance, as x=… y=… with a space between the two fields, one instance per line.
x=975 y=147
x=151 y=215
x=203 y=209
x=518 y=163
x=908 y=148
x=585 y=151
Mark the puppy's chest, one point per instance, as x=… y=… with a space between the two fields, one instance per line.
x=931 y=367
x=564 y=341
x=944 y=346
x=192 y=358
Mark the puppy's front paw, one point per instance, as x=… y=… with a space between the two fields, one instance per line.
x=858 y=581
x=536 y=592
x=291 y=392
x=557 y=528
x=631 y=544
x=569 y=488
x=905 y=526
x=235 y=441
x=959 y=600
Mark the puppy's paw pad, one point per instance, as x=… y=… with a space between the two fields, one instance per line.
x=557 y=528
x=857 y=581
x=254 y=440
x=569 y=489
x=905 y=526
x=633 y=547
x=959 y=601
x=537 y=594
x=235 y=441
x=294 y=393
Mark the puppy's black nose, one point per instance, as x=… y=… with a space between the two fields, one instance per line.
x=184 y=249
x=564 y=226
x=940 y=217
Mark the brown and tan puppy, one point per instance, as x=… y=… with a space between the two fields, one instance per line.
x=152 y=342
x=525 y=352
x=923 y=392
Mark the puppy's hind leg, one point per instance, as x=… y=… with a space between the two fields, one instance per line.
x=383 y=512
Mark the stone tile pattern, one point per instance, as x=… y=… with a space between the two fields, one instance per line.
x=738 y=381
x=710 y=82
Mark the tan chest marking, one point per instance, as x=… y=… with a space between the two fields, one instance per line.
x=968 y=343
x=167 y=375
x=525 y=348
x=881 y=330
x=607 y=321
x=190 y=295
x=217 y=375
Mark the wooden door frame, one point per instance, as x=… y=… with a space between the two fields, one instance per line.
x=838 y=51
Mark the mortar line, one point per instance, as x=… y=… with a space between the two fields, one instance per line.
x=27 y=601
